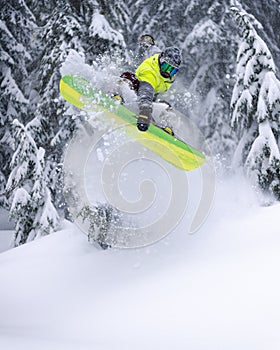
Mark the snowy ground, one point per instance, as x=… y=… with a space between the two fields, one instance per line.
x=6 y=230
x=216 y=289
x=5 y=239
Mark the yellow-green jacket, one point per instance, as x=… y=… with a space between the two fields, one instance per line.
x=149 y=72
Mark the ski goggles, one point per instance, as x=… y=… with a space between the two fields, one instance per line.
x=168 y=68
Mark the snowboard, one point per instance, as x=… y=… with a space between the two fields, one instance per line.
x=82 y=94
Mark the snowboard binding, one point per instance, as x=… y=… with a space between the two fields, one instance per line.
x=168 y=130
x=118 y=98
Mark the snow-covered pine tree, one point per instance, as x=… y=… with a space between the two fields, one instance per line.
x=62 y=32
x=32 y=208
x=103 y=23
x=13 y=105
x=63 y=28
x=41 y=10
x=16 y=25
x=256 y=109
x=3 y=197
x=52 y=127
x=161 y=19
x=209 y=56
x=109 y=39
x=117 y=14
x=268 y=14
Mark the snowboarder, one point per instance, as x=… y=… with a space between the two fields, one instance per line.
x=154 y=75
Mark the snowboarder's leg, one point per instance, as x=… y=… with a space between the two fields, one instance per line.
x=145 y=116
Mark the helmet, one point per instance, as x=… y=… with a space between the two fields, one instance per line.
x=172 y=55
x=169 y=61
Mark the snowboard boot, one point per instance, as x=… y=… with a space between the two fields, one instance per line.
x=143 y=122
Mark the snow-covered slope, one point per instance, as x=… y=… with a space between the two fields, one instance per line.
x=216 y=289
